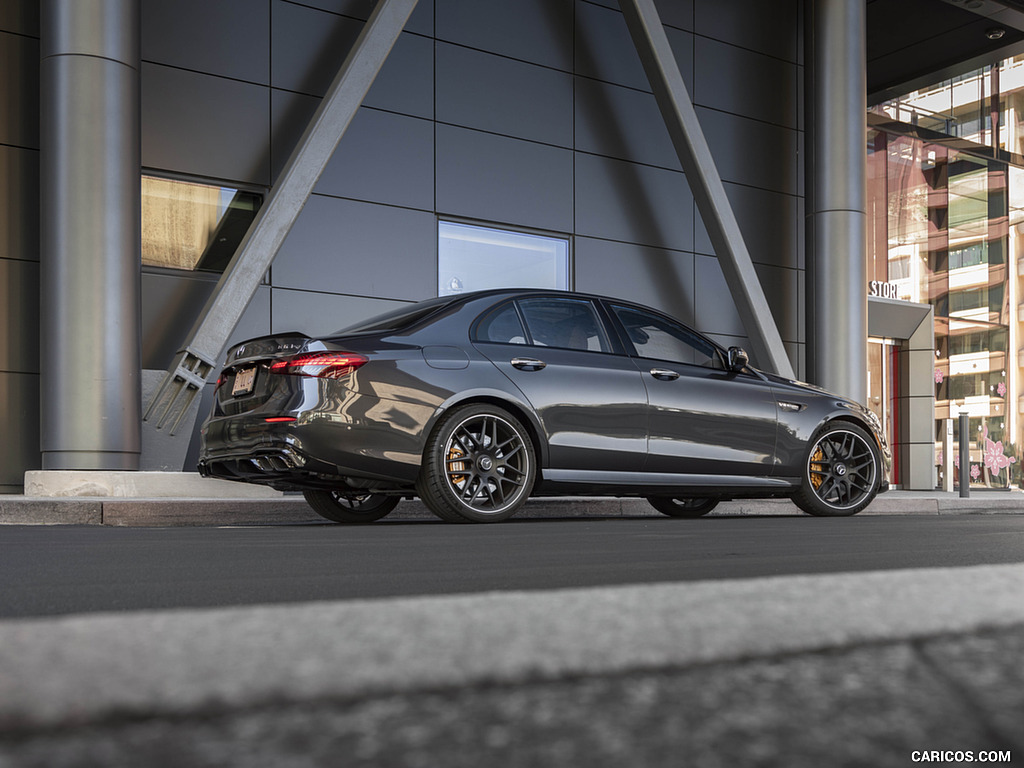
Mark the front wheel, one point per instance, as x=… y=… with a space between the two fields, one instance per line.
x=478 y=466
x=841 y=473
x=349 y=507
x=682 y=507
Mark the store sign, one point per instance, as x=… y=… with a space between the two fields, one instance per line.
x=883 y=290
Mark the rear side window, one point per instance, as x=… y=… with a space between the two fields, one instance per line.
x=501 y=326
x=564 y=323
x=659 y=338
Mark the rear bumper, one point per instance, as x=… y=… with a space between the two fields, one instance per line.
x=313 y=453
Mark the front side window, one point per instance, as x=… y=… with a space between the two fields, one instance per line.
x=193 y=226
x=564 y=323
x=659 y=338
x=471 y=258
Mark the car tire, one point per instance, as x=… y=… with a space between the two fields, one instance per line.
x=841 y=473
x=347 y=507
x=681 y=506
x=479 y=465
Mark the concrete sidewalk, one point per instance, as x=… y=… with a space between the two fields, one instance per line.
x=852 y=670
x=165 y=511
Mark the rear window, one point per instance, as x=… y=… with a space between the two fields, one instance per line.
x=397 y=319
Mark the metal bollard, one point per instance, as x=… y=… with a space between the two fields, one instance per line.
x=965 y=456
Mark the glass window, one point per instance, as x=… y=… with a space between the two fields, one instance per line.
x=501 y=326
x=564 y=323
x=657 y=337
x=473 y=258
x=193 y=226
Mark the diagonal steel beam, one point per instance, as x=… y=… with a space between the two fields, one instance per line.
x=197 y=361
x=701 y=173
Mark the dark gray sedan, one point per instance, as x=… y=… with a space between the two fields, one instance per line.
x=477 y=401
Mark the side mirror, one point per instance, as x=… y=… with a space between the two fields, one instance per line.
x=738 y=359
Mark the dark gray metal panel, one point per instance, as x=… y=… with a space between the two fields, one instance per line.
x=405 y=83
x=622 y=123
x=675 y=13
x=767 y=27
x=228 y=37
x=499 y=179
x=171 y=302
x=497 y=94
x=604 y=50
x=383 y=158
x=19 y=203
x=633 y=203
x=19 y=305
x=539 y=31
x=359 y=248
x=421 y=21
x=772 y=225
x=716 y=310
x=745 y=83
x=289 y=115
x=19 y=425
x=205 y=125
x=321 y=313
x=695 y=155
x=20 y=17
x=751 y=152
x=19 y=90
x=659 y=278
x=715 y=307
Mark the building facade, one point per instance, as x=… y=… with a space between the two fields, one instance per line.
x=530 y=118
x=946 y=190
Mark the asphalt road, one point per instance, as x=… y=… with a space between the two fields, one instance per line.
x=48 y=571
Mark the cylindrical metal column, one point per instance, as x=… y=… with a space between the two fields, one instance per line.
x=836 y=207
x=90 y=252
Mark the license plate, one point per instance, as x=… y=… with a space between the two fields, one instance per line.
x=244 y=380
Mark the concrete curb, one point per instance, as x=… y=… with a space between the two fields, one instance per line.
x=162 y=512
x=73 y=670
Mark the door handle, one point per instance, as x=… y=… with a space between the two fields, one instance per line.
x=527 y=363
x=664 y=374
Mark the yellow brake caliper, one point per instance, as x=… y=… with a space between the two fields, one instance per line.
x=455 y=453
x=817 y=468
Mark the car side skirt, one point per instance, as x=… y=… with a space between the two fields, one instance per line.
x=662 y=483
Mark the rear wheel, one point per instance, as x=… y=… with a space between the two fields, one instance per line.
x=841 y=473
x=682 y=507
x=478 y=466
x=350 y=507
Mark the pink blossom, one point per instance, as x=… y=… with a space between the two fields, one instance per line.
x=975 y=471
x=938 y=376
x=1001 y=388
x=995 y=460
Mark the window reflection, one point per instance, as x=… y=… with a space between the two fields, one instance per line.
x=471 y=258
x=193 y=226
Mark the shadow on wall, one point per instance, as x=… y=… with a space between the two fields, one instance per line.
x=633 y=198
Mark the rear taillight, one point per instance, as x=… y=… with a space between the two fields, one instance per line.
x=322 y=365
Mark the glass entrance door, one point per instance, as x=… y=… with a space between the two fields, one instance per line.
x=883 y=394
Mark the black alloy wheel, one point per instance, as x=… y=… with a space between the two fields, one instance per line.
x=682 y=507
x=350 y=507
x=841 y=474
x=478 y=466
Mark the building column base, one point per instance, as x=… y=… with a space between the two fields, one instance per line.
x=142 y=485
